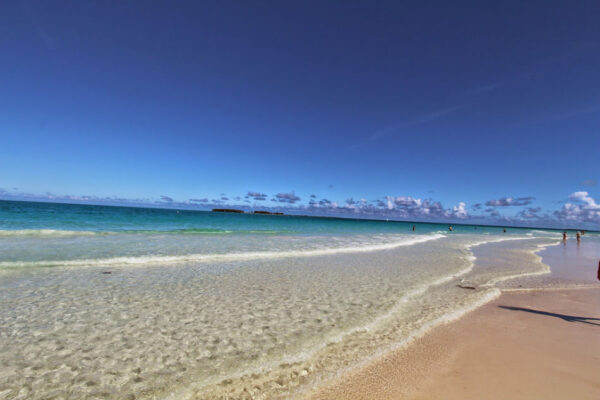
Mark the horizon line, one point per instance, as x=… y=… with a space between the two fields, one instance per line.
x=176 y=208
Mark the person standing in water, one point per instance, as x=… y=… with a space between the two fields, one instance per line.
x=578 y=237
x=414 y=227
x=564 y=236
x=450 y=228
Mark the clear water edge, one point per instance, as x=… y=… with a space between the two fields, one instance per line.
x=330 y=296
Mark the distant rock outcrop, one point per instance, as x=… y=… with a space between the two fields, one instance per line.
x=228 y=210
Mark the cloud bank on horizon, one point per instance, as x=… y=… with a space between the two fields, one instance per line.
x=580 y=210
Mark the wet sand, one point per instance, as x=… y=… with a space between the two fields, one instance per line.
x=523 y=345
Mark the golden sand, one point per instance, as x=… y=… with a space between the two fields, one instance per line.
x=523 y=345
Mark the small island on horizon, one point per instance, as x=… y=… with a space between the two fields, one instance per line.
x=236 y=211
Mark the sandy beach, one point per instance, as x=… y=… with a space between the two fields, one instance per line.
x=110 y=312
x=523 y=345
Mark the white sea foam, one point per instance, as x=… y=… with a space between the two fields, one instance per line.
x=544 y=270
x=472 y=257
x=268 y=329
x=187 y=392
x=488 y=295
x=454 y=315
x=228 y=257
x=546 y=233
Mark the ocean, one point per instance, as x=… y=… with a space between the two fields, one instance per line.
x=122 y=302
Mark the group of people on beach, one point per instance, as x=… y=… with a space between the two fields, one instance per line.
x=578 y=235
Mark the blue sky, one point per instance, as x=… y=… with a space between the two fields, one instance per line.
x=427 y=110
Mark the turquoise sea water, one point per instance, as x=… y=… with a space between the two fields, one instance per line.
x=50 y=234
x=19 y=216
x=36 y=232
x=117 y=302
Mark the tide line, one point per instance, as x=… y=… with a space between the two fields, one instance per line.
x=145 y=260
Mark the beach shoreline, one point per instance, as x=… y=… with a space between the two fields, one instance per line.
x=523 y=344
x=159 y=304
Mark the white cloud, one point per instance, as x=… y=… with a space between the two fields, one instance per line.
x=415 y=208
x=460 y=210
x=258 y=196
x=582 y=208
x=289 y=198
x=510 y=201
x=585 y=198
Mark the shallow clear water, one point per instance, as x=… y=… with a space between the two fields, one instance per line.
x=103 y=302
